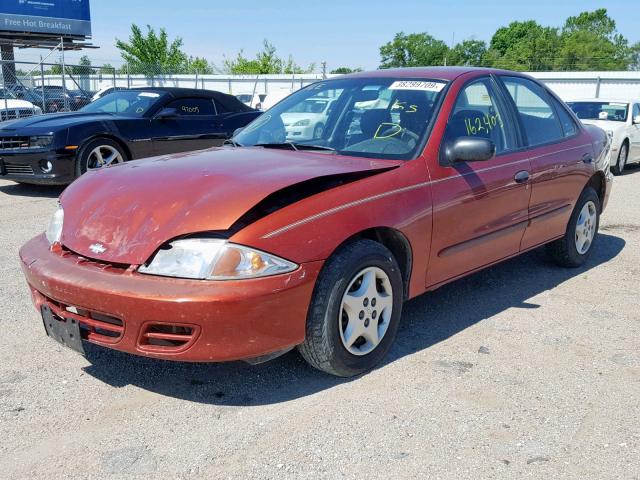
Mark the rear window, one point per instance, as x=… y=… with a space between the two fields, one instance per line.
x=612 y=111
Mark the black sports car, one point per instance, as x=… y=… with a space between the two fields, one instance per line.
x=121 y=126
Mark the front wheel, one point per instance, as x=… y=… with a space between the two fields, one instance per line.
x=355 y=310
x=623 y=155
x=99 y=153
x=574 y=248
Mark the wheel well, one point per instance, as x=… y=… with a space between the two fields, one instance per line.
x=598 y=183
x=122 y=145
x=399 y=246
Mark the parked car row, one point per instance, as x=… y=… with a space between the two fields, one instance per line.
x=315 y=222
x=120 y=126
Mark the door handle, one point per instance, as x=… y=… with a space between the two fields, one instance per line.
x=587 y=158
x=522 y=176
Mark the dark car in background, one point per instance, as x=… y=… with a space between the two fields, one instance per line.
x=121 y=126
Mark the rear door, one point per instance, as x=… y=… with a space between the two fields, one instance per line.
x=480 y=209
x=196 y=126
x=560 y=154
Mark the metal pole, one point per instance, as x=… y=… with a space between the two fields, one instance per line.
x=44 y=104
x=64 y=84
x=114 y=76
x=598 y=87
x=128 y=77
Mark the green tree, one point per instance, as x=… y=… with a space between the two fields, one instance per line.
x=634 y=56
x=266 y=62
x=152 y=53
x=198 y=65
x=523 y=46
x=107 y=68
x=468 y=52
x=590 y=41
x=83 y=67
x=413 y=50
x=345 y=70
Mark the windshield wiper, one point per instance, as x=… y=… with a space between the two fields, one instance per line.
x=288 y=145
x=296 y=146
x=306 y=146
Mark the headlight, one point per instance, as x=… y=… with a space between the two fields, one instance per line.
x=302 y=123
x=54 y=230
x=40 y=141
x=214 y=259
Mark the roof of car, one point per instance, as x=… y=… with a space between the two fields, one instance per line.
x=610 y=100
x=228 y=101
x=441 y=73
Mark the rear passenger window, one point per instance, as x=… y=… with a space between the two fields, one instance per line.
x=478 y=114
x=568 y=125
x=189 y=107
x=536 y=113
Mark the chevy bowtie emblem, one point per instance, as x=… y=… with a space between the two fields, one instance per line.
x=97 y=248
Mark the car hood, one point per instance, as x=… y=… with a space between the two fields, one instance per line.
x=131 y=209
x=55 y=121
x=10 y=103
x=605 y=124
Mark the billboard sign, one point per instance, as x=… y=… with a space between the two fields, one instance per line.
x=56 y=17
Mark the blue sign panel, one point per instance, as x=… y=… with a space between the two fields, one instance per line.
x=58 y=17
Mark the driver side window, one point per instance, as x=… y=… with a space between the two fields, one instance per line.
x=478 y=113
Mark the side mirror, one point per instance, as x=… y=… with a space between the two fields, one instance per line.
x=470 y=149
x=167 y=113
x=636 y=120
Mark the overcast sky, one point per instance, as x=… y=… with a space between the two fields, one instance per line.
x=346 y=32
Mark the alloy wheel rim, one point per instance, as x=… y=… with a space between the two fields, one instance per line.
x=103 y=156
x=365 y=311
x=586 y=227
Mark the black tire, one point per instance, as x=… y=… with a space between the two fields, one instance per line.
x=323 y=347
x=564 y=251
x=318 y=131
x=623 y=156
x=83 y=154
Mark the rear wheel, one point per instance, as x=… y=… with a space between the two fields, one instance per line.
x=623 y=155
x=355 y=310
x=574 y=248
x=99 y=153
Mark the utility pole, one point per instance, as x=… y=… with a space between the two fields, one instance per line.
x=324 y=70
x=64 y=84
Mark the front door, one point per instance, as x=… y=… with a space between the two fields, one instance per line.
x=634 y=134
x=480 y=209
x=194 y=126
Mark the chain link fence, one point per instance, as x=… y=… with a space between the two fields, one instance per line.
x=52 y=85
x=34 y=87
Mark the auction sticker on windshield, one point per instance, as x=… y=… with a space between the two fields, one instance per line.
x=417 y=85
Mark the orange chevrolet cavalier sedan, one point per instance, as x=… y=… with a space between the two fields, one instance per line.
x=319 y=219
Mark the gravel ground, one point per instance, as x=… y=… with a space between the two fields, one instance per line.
x=524 y=370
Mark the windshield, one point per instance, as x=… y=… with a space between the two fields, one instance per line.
x=5 y=93
x=368 y=117
x=613 y=111
x=132 y=103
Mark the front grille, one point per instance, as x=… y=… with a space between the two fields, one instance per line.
x=12 y=143
x=17 y=169
x=93 y=263
x=13 y=114
x=93 y=325
x=167 y=337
